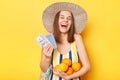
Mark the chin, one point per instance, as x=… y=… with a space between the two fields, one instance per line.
x=64 y=31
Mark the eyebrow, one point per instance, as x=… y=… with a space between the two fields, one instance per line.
x=67 y=16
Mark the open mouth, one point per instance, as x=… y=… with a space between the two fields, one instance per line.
x=63 y=25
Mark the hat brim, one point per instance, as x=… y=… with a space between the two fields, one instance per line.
x=80 y=15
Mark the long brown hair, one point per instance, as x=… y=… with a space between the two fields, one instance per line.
x=56 y=30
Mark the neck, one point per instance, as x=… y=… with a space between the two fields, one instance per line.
x=63 y=38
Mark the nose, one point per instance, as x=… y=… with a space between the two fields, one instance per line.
x=65 y=19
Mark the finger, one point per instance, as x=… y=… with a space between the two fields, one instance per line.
x=56 y=73
x=47 y=49
x=62 y=73
x=50 y=51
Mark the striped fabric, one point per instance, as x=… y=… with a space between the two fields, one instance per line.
x=57 y=58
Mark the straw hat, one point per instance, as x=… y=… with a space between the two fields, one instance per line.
x=80 y=15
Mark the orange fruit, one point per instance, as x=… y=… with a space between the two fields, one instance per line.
x=56 y=67
x=69 y=71
x=63 y=67
x=67 y=61
x=76 y=66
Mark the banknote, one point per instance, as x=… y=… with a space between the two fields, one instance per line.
x=42 y=40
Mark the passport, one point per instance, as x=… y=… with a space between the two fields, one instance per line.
x=51 y=38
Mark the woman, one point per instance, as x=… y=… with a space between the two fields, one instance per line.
x=69 y=20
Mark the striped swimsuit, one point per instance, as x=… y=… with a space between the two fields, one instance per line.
x=57 y=58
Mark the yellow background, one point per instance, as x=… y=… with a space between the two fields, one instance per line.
x=21 y=23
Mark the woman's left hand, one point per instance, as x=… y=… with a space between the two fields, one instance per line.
x=61 y=74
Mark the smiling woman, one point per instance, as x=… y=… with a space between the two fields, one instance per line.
x=66 y=24
x=64 y=21
x=59 y=19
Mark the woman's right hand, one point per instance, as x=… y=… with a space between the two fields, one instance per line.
x=47 y=50
x=46 y=57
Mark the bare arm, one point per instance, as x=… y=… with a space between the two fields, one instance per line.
x=83 y=57
x=46 y=57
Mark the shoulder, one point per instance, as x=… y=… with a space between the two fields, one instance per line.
x=77 y=37
x=78 y=40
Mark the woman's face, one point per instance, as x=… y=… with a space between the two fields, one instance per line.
x=65 y=21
